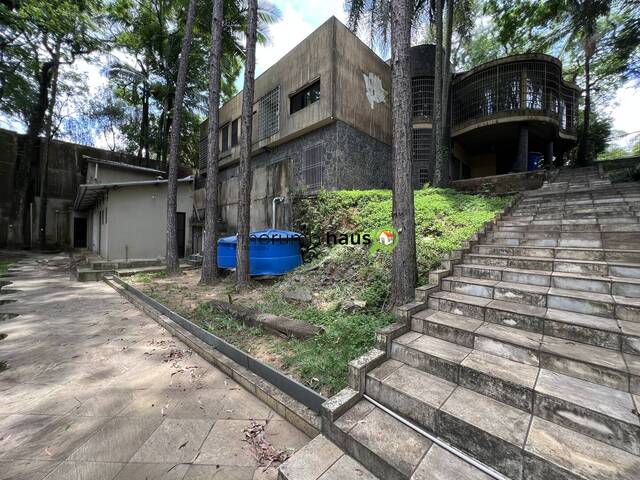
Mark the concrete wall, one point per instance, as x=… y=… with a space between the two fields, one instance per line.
x=350 y=160
x=136 y=221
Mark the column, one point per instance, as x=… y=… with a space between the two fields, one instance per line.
x=523 y=148
x=548 y=155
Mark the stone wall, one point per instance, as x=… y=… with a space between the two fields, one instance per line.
x=502 y=184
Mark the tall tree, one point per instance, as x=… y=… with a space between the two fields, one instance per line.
x=44 y=150
x=31 y=31
x=404 y=255
x=438 y=177
x=244 y=194
x=173 y=262
x=209 y=272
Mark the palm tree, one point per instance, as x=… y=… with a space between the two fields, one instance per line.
x=437 y=99
x=209 y=261
x=244 y=194
x=173 y=265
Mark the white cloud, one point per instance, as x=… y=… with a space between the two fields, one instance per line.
x=298 y=20
x=624 y=112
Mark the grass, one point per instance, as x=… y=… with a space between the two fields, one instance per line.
x=5 y=263
x=343 y=274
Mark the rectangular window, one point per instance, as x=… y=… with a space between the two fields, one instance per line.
x=305 y=97
x=269 y=114
x=234 y=132
x=312 y=167
x=421 y=156
x=224 y=145
x=203 y=148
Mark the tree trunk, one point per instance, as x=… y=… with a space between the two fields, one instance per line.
x=22 y=175
x=584 y=154
x=437 y=101
x=173 y=263
x=446 y=87
x=44 y=153
x=404 y=270
x=244 y=194
x=210 y=248
x=144 y=127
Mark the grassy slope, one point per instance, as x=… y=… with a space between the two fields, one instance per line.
x=444 y=219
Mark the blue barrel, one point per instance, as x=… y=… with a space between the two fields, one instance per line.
x=271 y=252
x=534 y=161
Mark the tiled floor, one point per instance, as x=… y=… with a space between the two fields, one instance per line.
x=96 y=390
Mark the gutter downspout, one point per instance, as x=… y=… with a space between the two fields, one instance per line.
x=273 y=210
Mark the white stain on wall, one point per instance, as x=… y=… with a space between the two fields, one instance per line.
x=374 y=90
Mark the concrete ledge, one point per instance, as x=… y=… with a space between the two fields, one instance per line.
x=502 y=184
x=299 y=415
x=359 y=367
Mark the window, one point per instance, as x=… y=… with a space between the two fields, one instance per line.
x=269 y=114
x=234 y=132
x=305 y=97
x=422 y=96
x=203 y=148
x=423 y=176
x=421 y=156
x=312 y=167
x=224 y=145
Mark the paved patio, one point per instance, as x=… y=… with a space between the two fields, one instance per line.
x=97 y=390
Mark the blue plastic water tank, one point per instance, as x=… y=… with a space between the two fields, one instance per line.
x=535 y=161
x=271 y=252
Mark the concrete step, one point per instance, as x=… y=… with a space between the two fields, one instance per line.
x=91 y=274
x=560 y=226
x=590 y=267
x=628 y=287
x=591 y=303
x=384 y=445
x=601 y=331
x=596 y=364
x=602 y=413
x=595 y=254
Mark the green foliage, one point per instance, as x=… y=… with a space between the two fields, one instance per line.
x=599 y=132
x=5 y=263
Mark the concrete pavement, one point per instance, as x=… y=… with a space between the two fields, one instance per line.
x=96 y=390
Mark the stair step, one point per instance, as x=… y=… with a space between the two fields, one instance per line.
x=593 y=254
x=588 y=362
x=491 y=430
x=381 y=443
x=628 y=287
x=618 y=269
x=600 y=330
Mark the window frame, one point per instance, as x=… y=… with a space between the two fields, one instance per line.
x=301 y=91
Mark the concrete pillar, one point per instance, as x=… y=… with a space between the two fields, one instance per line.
x=548 y=155
x=523 y=148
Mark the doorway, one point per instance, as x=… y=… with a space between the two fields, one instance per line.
x=181 y=231
x=80 y=232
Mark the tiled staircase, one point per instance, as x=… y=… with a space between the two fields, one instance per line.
x=527 y=359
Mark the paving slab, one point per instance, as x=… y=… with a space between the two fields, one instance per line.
x=92 y=393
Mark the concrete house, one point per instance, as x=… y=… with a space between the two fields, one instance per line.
x=322 y=120
x=124 y=210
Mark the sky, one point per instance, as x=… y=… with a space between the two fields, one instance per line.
x=301 y=17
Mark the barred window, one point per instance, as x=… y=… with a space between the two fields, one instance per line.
x=269 y=114
x=312 y=167
x=224 y=145
x=234 y=132
x=421 y=156
x=422 y=96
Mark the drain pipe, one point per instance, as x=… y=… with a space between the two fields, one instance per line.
x=273 y=210
x=452 y=450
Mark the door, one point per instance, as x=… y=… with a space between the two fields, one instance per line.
x=80 y=232
x=181 y=232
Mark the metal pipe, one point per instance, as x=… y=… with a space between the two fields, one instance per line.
x=454 y=451
x=273 y=210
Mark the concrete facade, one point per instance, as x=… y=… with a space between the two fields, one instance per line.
x=339 y=136
x=130 y=222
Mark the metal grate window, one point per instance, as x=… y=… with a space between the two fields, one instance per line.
x=312 y=167
x=422 y=96
x=421 y=156
x=269 y=114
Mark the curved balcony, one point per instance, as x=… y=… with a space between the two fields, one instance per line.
x=513 y=89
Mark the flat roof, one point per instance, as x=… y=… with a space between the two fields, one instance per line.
x=91 y=193
x=127 y=166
